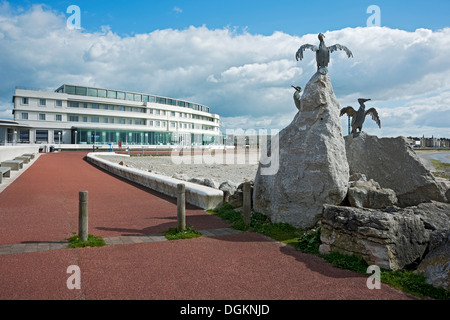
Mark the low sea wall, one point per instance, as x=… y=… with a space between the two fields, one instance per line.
x=195 y=194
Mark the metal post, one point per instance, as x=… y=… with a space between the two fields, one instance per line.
x=181 y=207
x=349 y=124
x=83 y=216
x=247 y=206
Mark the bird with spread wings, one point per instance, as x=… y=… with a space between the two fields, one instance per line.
x=322 y=53
x=358 y=117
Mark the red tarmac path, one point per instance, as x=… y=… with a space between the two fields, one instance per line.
x=42 y=205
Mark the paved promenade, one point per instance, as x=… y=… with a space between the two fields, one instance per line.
x=40 y=209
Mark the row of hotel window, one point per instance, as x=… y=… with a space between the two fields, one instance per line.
x=41 y=136
x=73 y=104
x=152 y=123
x=120 y=95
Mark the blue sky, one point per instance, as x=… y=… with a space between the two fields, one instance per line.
x=238 y=57
x=257 y=17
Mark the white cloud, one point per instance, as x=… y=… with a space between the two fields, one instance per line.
x=177 y=10
x=243 y=77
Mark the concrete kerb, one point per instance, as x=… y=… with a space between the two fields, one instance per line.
x=198 y=195
x=119 y=240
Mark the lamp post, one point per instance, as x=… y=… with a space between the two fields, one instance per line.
x=59 y=138
x=76 y=136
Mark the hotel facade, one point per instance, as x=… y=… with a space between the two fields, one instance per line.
x=86 y=115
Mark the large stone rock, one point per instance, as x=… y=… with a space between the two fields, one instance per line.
x=313 y=168
x=393 y=238
x=394 y=165
x=208 y=182
x=228 y=186
x=435 y=216
x=369 y=194
x=435 y=267
x=237 y=198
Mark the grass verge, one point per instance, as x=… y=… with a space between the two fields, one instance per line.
x=173 y=234
x=442 y=169
x=258 y=223
x=92 y=241
x=308 y=241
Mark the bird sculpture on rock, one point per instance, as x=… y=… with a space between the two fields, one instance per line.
x=297 y=97
x=322 y=53
x=358 y=117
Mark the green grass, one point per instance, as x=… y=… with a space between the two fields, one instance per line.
x=353 y=263
x=92 y=241
x=173 y=234
x=405 y=280
x=308 y=241
x=258 y=223
x=443 y=169
x=415 y=284
x=227 y=213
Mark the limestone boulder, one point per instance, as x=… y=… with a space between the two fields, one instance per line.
x=180 y=176
x=211 y=183
x=435 y=267
x=392 y=238
x=229 y=186
x=312 y=164
x=208 y=182
x=369 y=194
x=196 y=180
x=394 y=165
x=435 y=215
x=237 y=198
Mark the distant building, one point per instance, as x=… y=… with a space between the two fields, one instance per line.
x=86 y=115
x=429 y=142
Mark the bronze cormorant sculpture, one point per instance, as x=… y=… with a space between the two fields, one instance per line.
x=358 y=117
x=297 y=98
x=322 y=53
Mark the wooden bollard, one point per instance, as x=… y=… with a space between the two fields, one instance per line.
x=83 y=216
x=181 y=208
x=247 y=203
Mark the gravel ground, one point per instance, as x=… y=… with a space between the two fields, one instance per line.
x=236 y=172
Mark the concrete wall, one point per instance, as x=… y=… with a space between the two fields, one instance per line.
x=10 y=152
x=200 y=196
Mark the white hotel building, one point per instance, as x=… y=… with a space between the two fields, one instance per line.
x=85 y=115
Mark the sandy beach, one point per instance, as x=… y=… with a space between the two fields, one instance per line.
x=236 y=171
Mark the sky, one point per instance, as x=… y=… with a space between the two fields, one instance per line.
x=238 y=57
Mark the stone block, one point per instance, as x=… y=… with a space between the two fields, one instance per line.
x=394 y=165
x=392 y=238
x=313 y=168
